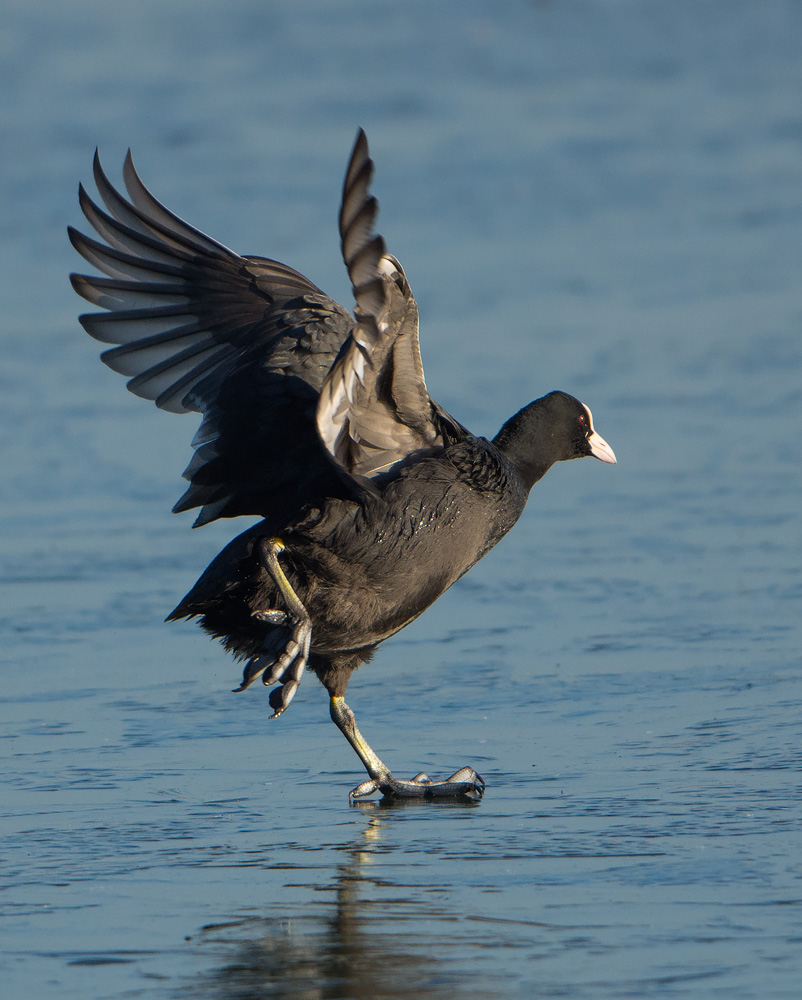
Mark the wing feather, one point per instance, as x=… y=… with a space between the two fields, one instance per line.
x=298 y=400
x=374 y=408
x=246 y=341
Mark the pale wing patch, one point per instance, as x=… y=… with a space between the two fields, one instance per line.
x=374 y=409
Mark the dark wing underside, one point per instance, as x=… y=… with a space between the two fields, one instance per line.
x=246 y=341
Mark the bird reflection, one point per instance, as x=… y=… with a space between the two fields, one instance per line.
x=348 y=946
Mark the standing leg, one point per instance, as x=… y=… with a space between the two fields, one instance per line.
x=465 y=783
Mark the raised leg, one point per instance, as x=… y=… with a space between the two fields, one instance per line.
x=464 y=783
x=288 y=666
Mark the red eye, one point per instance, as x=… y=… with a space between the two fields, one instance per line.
x=581 y=419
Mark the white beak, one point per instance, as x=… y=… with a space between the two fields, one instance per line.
x=600 y=449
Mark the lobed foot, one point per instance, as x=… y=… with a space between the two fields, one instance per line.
x=464 y=783
x=285 y=664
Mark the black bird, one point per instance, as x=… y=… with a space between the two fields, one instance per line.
x=373 y=499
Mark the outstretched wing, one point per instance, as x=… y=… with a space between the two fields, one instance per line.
x=374 y=407
x=246 y=341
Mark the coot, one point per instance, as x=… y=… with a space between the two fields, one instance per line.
x=373 y=499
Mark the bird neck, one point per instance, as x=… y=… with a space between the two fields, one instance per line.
x=522 y=442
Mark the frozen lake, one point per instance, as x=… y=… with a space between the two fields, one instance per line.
x=601 y=197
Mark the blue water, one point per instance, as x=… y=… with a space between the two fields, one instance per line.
x=603 y=197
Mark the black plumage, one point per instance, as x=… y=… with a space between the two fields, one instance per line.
x=373 y=499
